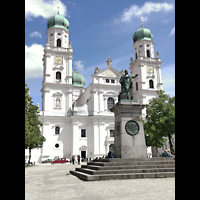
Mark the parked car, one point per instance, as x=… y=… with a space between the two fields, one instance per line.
x=97 y=158
x=61 y=160
x=47 y=161
x=68 y=160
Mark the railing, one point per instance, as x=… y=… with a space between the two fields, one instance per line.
x=62 y=49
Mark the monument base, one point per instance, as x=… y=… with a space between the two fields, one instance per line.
x=132 y=144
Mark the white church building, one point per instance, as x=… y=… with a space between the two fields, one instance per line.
x=77 y=120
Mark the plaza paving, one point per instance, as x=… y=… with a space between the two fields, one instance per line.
x=55 y=182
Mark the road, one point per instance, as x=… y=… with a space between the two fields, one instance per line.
x=55 y=182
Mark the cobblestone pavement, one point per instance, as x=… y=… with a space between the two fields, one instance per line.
x=55 y=182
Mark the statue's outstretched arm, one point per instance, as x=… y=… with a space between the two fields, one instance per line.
x=135 y=76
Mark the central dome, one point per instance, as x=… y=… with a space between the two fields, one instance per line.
x=142 y=34
x=58 y=21
x=77 y=79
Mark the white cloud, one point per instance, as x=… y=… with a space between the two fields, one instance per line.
x=135 y=11
x=79 y=65
x=33 y=61
x=172 y=32
x=35 y=34
x=36 y=8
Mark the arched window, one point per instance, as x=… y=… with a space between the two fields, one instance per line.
x=135 y=55
x=136 y=85
x=58 y=76
x=58 y=43
x=151 y=84
x=148 y=53
x=110 y=102
x=57 y=130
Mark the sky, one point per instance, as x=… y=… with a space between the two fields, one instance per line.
x=98 y=30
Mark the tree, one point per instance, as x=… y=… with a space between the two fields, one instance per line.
x=160 y=116
x=33 y=136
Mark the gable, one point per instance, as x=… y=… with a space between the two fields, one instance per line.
x=108 y=73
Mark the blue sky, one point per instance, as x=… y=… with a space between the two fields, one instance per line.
x=99 y=29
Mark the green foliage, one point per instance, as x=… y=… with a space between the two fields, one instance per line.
x=160 y=116
x=33 y=137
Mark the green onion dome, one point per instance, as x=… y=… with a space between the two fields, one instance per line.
x=58 y=21
x=77 y=79
x=142 y=34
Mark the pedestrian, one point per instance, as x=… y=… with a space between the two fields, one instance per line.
x=165 y=153
x=169 y=153
x=110 y=154
x=78 y=158
x=73 y=159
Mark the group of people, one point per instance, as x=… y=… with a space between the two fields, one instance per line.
x=167 y=153
x=78 y=159
x=110 y=155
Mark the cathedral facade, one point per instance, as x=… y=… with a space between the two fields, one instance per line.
x=77 y=120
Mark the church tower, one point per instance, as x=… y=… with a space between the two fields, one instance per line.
x=57 y=68
x=146 y=66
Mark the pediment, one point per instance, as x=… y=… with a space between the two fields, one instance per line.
x=108 y=73
x=57 y=94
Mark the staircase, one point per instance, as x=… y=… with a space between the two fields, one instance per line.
x=118 y=168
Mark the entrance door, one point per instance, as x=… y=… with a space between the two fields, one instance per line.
x=83 y=154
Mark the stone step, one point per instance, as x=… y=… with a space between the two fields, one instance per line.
x=126 y=169
x=122 y=171
x=87 y=177
x=93 y=167
x=131 y=163
x=133 y=159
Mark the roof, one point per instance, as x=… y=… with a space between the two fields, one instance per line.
x=142 y=34
x=77 y=79
x=58 y=21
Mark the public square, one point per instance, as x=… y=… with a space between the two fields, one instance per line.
x=47 y=181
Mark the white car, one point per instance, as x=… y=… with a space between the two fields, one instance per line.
x=97 y=158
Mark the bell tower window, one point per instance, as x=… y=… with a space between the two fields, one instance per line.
x=148 y=53
x=58 y=76
x=151 y=84
x=58 y=43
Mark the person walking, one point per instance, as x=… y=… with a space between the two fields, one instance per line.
x=73 y=159
x=78 y=158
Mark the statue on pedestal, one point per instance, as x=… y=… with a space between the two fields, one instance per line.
x=126 y=86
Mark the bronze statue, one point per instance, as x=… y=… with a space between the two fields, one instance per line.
x=126 y=86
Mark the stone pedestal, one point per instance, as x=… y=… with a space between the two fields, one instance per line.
x=127 y=145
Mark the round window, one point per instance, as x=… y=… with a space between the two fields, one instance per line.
x=56 y=145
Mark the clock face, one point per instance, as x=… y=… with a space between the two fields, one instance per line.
x=132 y=127
x=150 y=69
x=58 y=60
